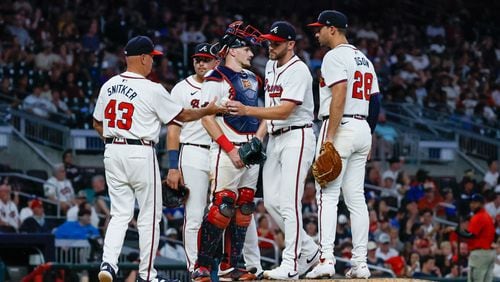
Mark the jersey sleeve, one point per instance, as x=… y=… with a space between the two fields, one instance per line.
x=177 y=94
x=165 y=106
x=297 y=84
x=211 y=90
x=333 y=69
x=99 y=106
x=375 y=88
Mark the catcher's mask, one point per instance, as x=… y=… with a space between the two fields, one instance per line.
x=238 y=34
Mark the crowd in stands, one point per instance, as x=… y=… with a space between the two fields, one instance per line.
x=54 y=55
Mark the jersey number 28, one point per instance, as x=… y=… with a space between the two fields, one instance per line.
x=362 y=85
x=126 y=109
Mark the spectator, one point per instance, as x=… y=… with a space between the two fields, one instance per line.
x=81 y=202
x=343 y=230
x=311 y=228
x=35 y=223
x=431 y=197
x=493 y=207
x=395 y=165
x=37 y=105
x=78 y=230
x=9 y=216
x=173 y=248
x=309 y=205
x=429 y=269
x=58 y=188
x=414 y=264
x=263 y=231
x=73 y=172
x=386 y=138
x=17 y=29
x=384 y=251
x=372 y=259
x=47 y=58
x=491 y=176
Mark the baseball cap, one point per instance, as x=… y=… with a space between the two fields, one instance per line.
x=477 y=198
x=371 y=245
x=280 y=31
x=81 y=194
x=141 y=45
x=384 y=238
x=36 y=204
x=203 y=50
x=331 y=18
x=342 y=219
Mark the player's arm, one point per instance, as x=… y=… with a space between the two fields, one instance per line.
x=262 y=130
x=214 y=130
x=174 y=176
x=98 y=127
x=337 y=104
x=194 y=114
x=280 y=112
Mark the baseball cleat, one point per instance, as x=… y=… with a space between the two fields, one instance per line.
x=158 y=279
x=107 y=273
x=281 y=273
x=201 y=274
x=306 y=263
x=236 y=274
x=324 y=269
x=359 y=271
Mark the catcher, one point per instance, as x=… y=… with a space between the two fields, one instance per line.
x=233 y=161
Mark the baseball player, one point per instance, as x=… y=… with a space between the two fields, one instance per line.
x=347 y=84
x=128 y=115
x=191 y=166
x=288 y=119
x=233 y=183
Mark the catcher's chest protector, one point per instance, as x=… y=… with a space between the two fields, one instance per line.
x=244 y=88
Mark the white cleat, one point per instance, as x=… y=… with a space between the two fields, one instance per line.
x=306 y=263
x=325 y=269
x=359 y=271
x=281 y=273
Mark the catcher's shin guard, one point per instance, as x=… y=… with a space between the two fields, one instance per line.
x=213 y=225
x=234 y=238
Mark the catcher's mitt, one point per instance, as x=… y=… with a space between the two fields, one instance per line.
x=328 y=165
x=174 y=198
x=252 y=152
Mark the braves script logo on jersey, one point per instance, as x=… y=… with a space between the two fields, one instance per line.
x=274 y=91
x=195 y=104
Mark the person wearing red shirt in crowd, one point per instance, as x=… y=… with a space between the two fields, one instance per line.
x=480 y=235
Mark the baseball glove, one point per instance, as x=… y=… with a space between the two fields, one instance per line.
x=252 y=152
x=328 y=165
x=174 y=198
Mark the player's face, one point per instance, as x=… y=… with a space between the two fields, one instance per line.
x=244 y=56
x=203 y=64
x=322 y=34
x=277 y=50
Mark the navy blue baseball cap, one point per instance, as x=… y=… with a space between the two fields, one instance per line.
x=477 y=198
x=331 y=18
x=141 y=45
x=203 y=50
x=280 y=31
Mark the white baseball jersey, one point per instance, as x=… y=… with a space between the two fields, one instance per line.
x=346 y=63
x=289 y=82
x=62 y=190
x=9 y=214
x=131 y=105
x=187 y=93
x=220 y=89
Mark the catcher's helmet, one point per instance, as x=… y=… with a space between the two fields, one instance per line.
x=238 y=34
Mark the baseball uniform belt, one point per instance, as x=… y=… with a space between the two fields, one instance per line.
x=196 y=145
x=289 y=128
x=116 y=140
x=361 y=117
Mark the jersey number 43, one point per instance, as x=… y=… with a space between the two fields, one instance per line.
x=362 y=85
x=126 y=110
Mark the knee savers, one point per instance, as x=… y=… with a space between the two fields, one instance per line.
x=222 y=209
x=245 y=206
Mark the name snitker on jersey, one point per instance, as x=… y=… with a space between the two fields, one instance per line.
x=122 y=89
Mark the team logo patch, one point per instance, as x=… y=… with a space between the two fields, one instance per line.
x=246 y=83
x=322 y=81
x=274 y=30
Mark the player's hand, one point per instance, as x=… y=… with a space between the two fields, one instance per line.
x=235 y=158
x=214 y=108
x=174 y=177
x=236 y=108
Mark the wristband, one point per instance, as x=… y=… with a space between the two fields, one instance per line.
x=173 y=159
x=224 y=143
